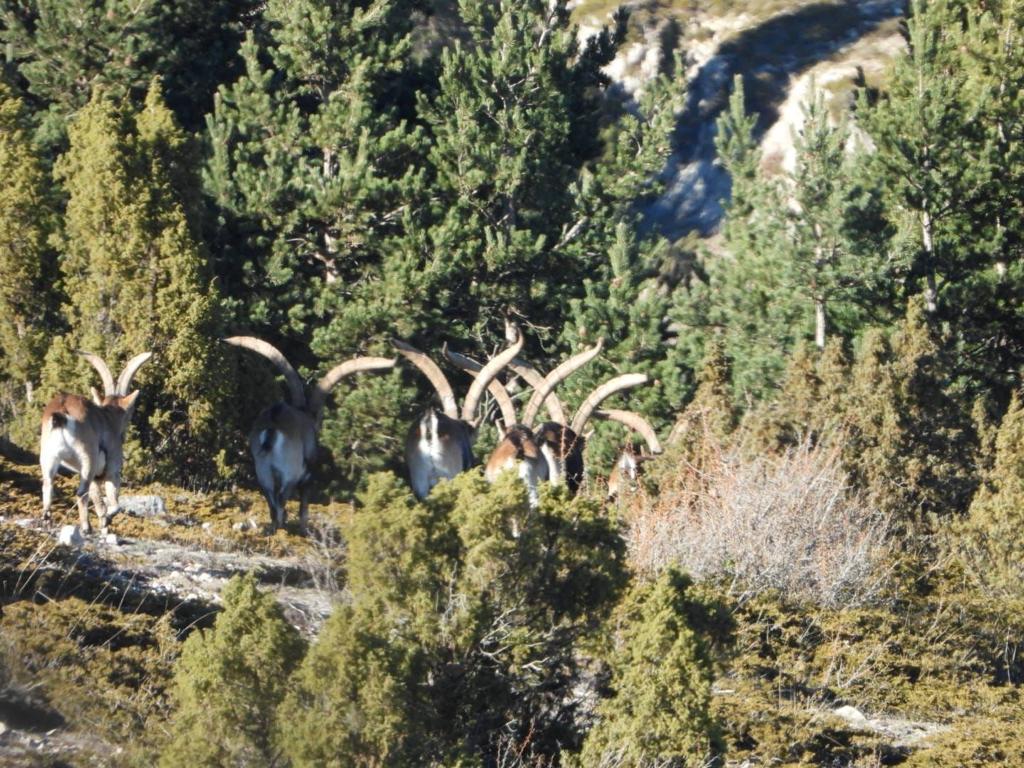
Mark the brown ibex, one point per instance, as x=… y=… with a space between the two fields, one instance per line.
x=283 y=440
x=88 y=437
x=628 y=465
x=554 y=450
x=439 y=444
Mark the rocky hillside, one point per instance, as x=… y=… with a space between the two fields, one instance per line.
x=781 y=49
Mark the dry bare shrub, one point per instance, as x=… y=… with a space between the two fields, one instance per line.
x=787 y=522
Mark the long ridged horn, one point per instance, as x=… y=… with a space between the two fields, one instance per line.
x=124 y=381
x=636 y=422
x=496 y=388
x=486 y=375
x=602 y=393
x=434 y=375
x=552 y=380
x=532 y=377
x=295 y=386
x=318 y=396
x=109 y=388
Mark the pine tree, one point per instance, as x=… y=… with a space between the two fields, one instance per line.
x=820 y=262
x=66 y=49
x=749 y=297
x=659 y=711
x=930 y=156
x=229 y=682
x=136 y=279
x=27 y=294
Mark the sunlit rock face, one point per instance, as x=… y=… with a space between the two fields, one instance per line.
x=783 y=50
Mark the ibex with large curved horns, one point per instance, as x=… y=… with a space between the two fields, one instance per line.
x=88 y=437
x=559 y=444
x=283 y=440
x=628 y=466
x=439 y=444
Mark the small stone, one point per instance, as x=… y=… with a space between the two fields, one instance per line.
x=143 y=506
x=3 y=728
x=111 y=539
x=245 y=525
x=70 y=536
x=207 y=526
x=852 y=715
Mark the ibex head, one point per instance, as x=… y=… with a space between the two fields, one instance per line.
x=439 y=445
x=116 y=392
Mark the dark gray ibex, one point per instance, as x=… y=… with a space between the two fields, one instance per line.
x=283 y=440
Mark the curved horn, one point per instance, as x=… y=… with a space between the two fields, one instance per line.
x=496 y=388
x=429 y=369
x=323 y=387
x=602 y=393
x=269 y=351
x=552 y=380
x=486 y=376
x=636 y=422
x=109 y=388
x=124 y=381
x=532 y=377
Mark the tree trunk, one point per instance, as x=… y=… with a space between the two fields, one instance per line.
x=931 y=292
x=819 y=323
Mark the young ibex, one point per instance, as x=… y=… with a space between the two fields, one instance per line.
x=629 y=465
x=439 y=444
x=88 y=437
x=283 y=440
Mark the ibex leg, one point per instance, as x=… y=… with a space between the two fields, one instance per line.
x=96 y=495
x=304 y=508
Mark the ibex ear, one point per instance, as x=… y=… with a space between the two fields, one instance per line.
x=127 y=402
x=96 y=396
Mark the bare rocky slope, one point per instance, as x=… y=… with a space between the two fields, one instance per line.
x=780 y=49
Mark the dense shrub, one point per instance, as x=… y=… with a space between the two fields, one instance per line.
x=659 y=712
x=787 y=522
x=229 y=682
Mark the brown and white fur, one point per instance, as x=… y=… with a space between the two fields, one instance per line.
x=519 y=451
x=439 y=445
x=561 y=446
x=625 y=475
x=283 y=439
x=88 y=438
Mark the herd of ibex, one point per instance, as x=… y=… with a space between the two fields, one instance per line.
x=88 y=436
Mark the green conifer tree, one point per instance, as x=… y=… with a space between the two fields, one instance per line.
x=27 y=269
x=929 y=154
x=909 y=442
x=229 y=682
x=136 y=279
x=659 y=711
x=988 y=539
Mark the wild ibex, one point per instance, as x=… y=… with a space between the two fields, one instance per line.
x=628 y=466
x=283 y=440
x=439 y=444
x=88 y=437
x=552 y=451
